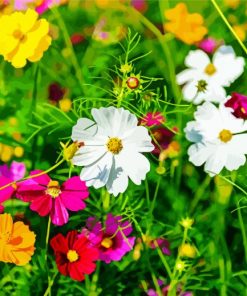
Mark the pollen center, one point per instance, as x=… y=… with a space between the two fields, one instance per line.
x=225 y=135
x=106 y=243
x=53 y=189
x=19 y=35
x=210 y=69
x=114 y=145
x=72 y=256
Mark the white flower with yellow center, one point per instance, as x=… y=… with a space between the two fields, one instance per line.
x=204 y=80
x=111 y=148
x=220 y=139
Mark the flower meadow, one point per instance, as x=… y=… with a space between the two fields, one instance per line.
x=123 y=143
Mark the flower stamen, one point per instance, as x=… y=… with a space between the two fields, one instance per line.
x=72 y=256
x=225 y=135
x=53 y=189
x=210 y=69
x=107 y=243
x=114 y=145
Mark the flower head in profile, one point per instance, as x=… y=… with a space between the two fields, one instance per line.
x=15 y=172
x=23 y=37
x=224 y=69
x=186 y=26
x=47 y=197
x=219 y=139
x=112 y=150
x=238 y=103
x=112 y=239
x=16 y=241
x=74 y=255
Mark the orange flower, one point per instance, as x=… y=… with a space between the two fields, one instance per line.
x=16 y=241
x=186 y=26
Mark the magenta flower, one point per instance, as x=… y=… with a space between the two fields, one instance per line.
x=140 y=5
x=112 y=240
x=8 y=175
x=208 y=45
x=46 y=4
x=163 y=137
x=238 y=103
x=163 y=244
x=153 y=119
x=47 y=197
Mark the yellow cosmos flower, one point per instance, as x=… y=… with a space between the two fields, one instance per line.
x=16 y=241
x=186 y=26
x=23 y=37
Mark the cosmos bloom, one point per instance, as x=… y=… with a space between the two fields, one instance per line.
x=74 y=255
x=208 y=45
x=112 y=240
x=186 y=26
x=153 y=119
x=16 y=241
x=205 y=79
x=220 y=139
x=23 y=37
x=47 y=197
x=238 y=103
x=112 y=150
x=8 y=175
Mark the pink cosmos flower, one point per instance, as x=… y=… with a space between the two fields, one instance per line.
x=238 y=103
x=15 y=172
x=151 y=119
x=112 y=240
x=208 y=45
x=47 y=197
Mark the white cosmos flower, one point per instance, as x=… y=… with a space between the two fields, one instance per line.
x=224 y=68
x=112 y=150
x=219 y=139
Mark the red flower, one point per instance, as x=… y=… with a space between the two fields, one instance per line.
x=74 y=255
x=238 y=103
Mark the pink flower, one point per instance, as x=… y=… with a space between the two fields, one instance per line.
x=47 y=197
x=112 y=240
x=8 y=175
x=140 y=5
x=208 y=45
x=162 y=243
x=238 y=103
x=46 y=4
x=151 y=119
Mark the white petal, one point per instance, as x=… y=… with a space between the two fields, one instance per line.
x=190 y=91
x=134 y=164
x=197 y=59
x=199 y=153
x=138 y=139
x=185 y=76
x=216 y=161
x=84 y=129
x=192 y=134
x=234 y=161
x=238 y=144
x=98 y=173
x=87 y=155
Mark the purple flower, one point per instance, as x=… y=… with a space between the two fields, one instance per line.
x=163 y=244
x=238 y=103
x=112 y=240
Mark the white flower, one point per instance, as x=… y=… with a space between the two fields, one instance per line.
x=218 y=139
x=112 y=149
x=224 y=68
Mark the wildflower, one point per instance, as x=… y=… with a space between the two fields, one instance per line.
x=238 y=103
x=8 y=175
x=133 y=82
x=112 y=240
x=232 y=3
x=186 y=26
x=224 y=68
x=187 y=222
x=187 y=250
x=218 y=139
x=74 y=256
x=23 y=37
x=180 y=266
x=126 y=68
x=47 y=197
x=112 y=144
x=153 y=118
x=47 y=4
x=208 y=45
x=16 y=241
x=56 y=92
x=162 y=243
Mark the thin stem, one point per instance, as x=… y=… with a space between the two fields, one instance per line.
x=243 y=231
x=228 y=25
x=46 y=252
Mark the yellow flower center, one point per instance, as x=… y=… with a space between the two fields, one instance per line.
x=53 y=189
x=114 y=145
x=225 y=135
x=106 y=243
x=72 y=256
x=210 y=69
x=19 y=35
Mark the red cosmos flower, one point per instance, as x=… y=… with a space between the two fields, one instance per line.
x=238 y=103
x=74 y=255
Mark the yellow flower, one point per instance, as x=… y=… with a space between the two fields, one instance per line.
x=232 y=3
x=187 y=250
x=16 y=241
x=186 y=26
x=240 y=30
x=23 y=37
x=65 y=104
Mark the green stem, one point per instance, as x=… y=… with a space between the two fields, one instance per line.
x=243 y=231
x=46 y=252
x=228 y=25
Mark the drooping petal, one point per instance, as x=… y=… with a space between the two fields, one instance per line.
x=59 y=213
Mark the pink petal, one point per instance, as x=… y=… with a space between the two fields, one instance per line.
x=7 y=192
x=41 y=180
x=42 y=205
x=18 y=170
x=59 y=214
x=75 y=184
